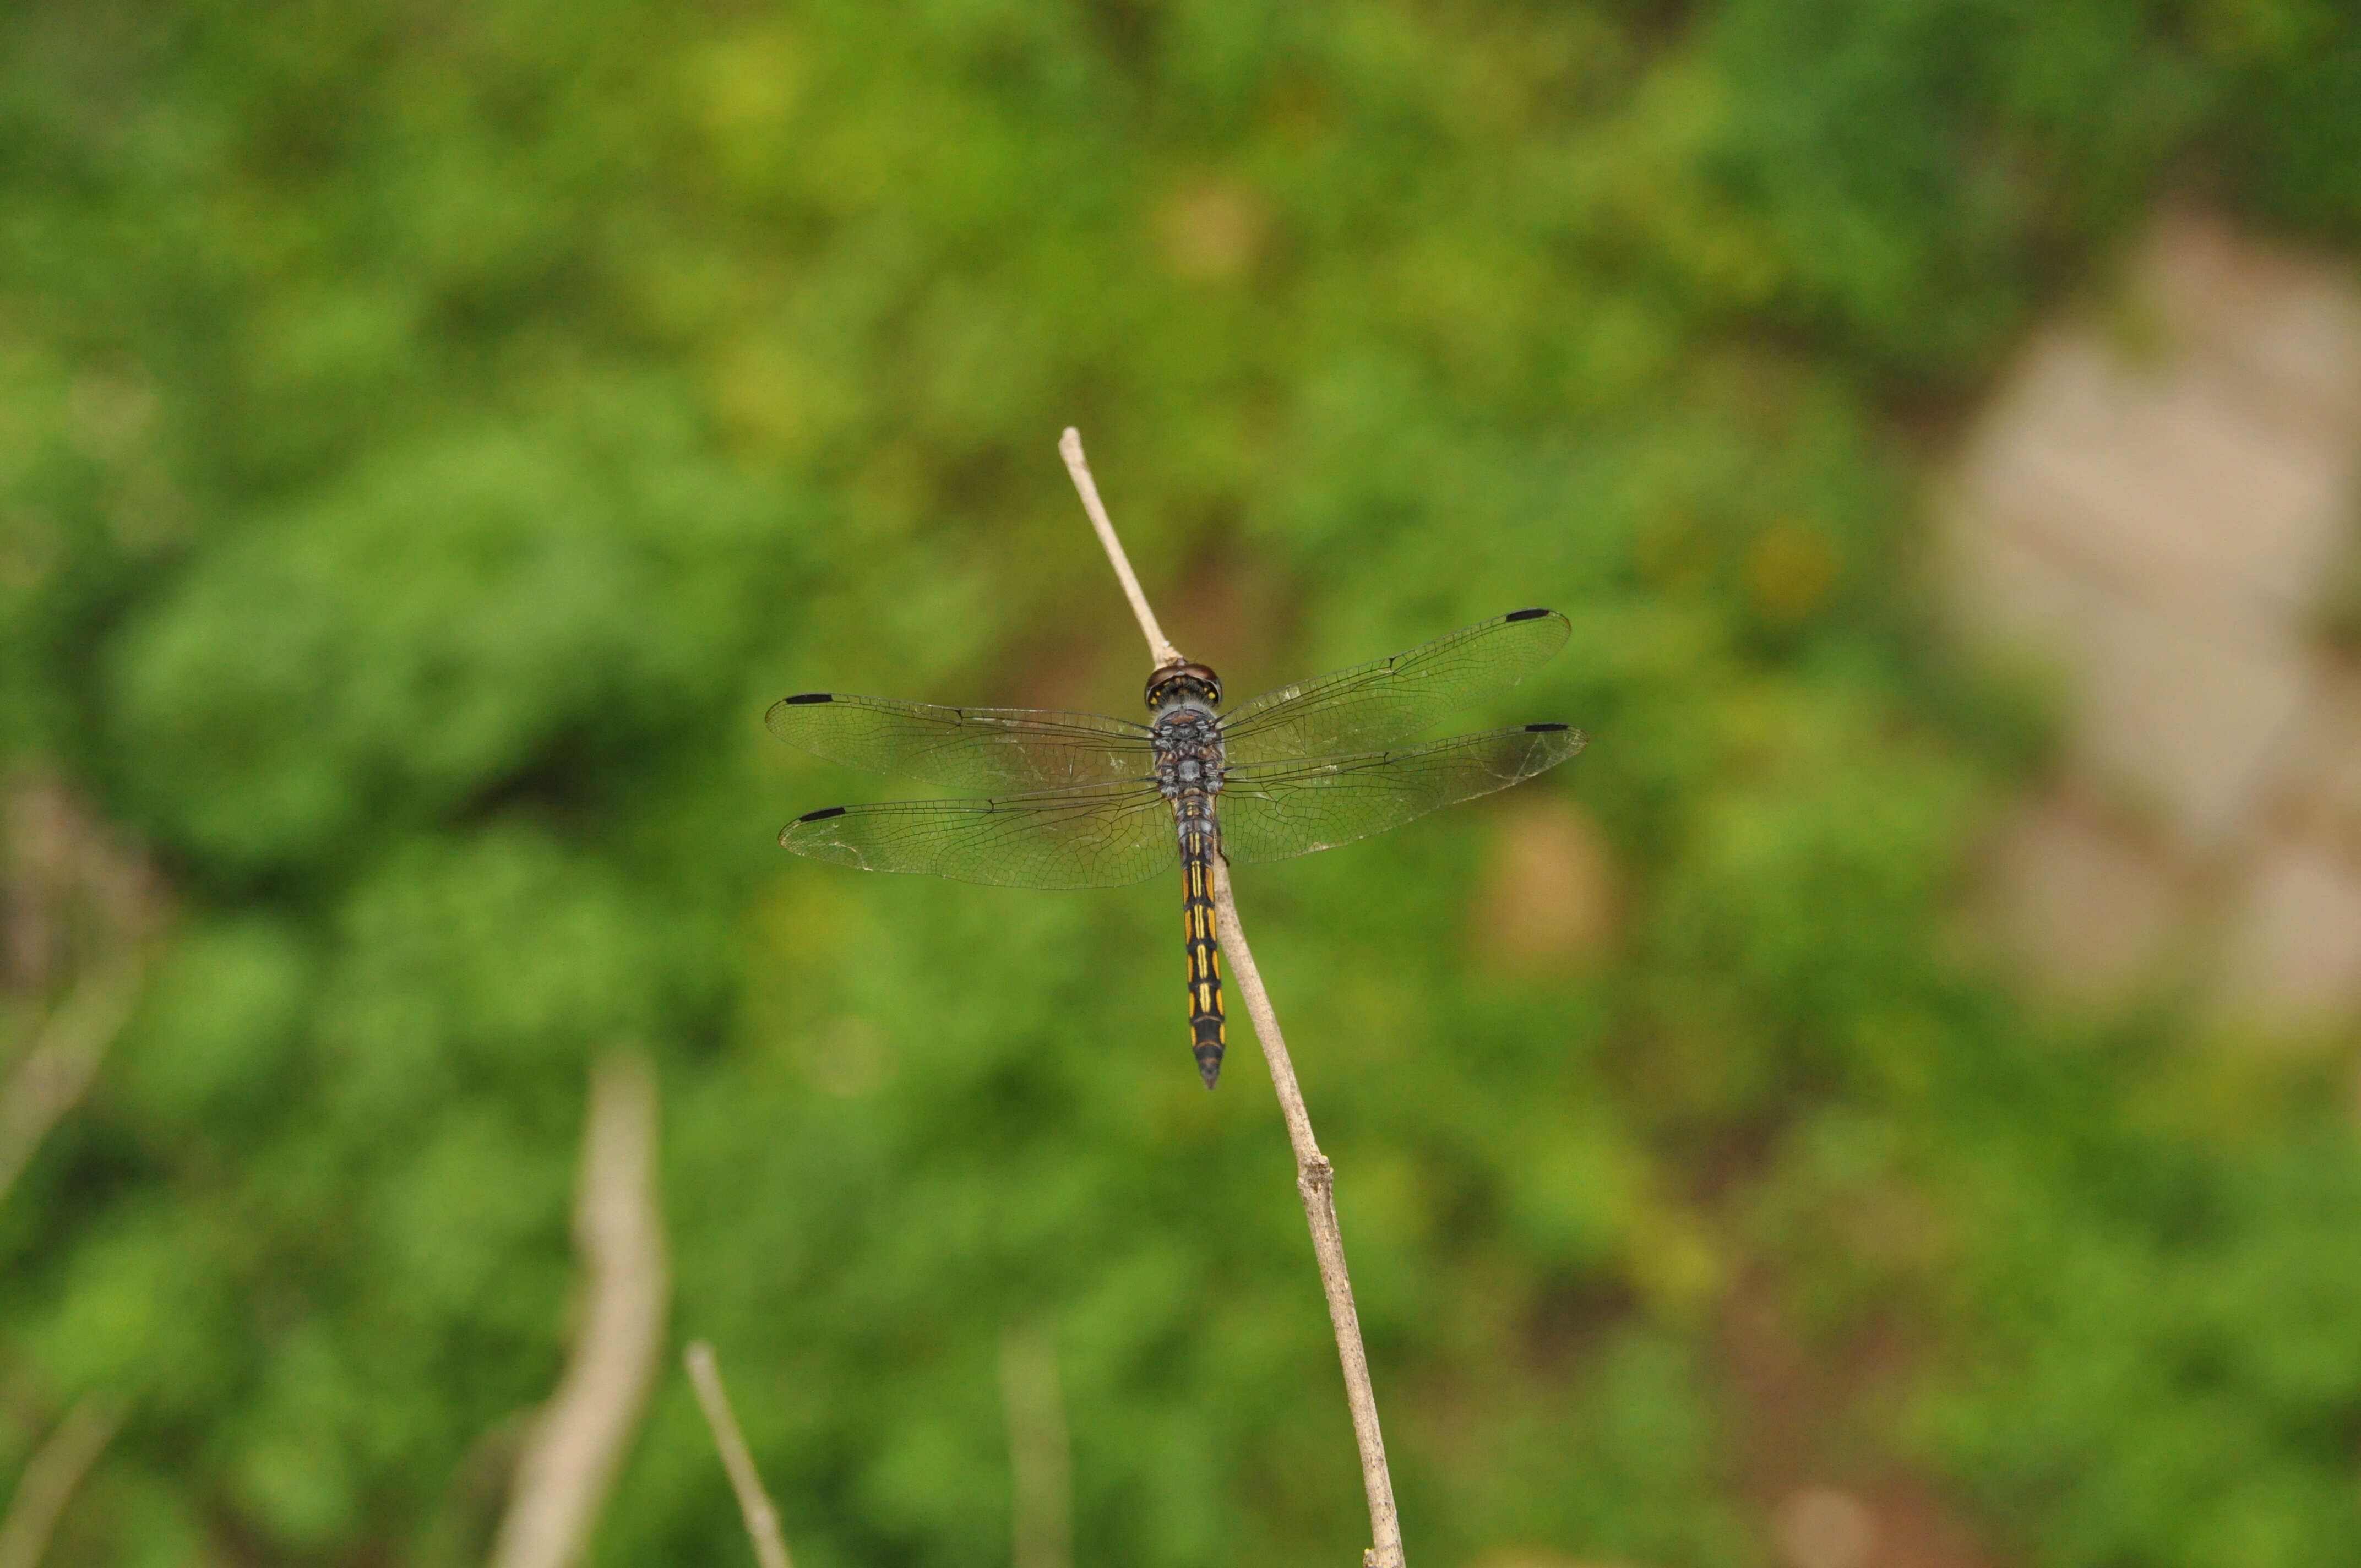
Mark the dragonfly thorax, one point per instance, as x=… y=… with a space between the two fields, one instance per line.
x=1188 y=748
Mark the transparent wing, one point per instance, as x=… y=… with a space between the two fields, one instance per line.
x=1014 y=748
x=1103 y=835
x=1372 y=705
x=1272 y=811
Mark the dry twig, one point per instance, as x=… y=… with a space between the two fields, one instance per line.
x=1315 y=1179
x=753 y=1502
x=1069 y=447
x=578 y=1442
x=49 y=1479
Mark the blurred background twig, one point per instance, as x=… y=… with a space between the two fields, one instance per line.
x=51 y=1074
x=755 y=1505
x=1040 y=1458
x=580 y=1437
x=49 y=1478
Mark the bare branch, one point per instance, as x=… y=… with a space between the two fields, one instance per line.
x=579 y=1439
x=753 y=1502
x=1040 y=1463
x=1315 y=1179
x=1069 y=447
x=50 y=1477
x=53 y=1075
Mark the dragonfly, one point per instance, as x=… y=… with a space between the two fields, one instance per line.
x=1089 y=800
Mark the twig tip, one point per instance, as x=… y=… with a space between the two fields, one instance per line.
x=1078 y=468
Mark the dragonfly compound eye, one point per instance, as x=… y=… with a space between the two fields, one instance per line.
x=1183 y=680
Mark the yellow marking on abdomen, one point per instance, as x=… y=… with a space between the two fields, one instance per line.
x=1208 y=1035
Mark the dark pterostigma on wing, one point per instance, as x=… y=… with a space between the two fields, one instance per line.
x=1369 y=708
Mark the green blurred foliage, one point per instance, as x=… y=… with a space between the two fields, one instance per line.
x=429 y=433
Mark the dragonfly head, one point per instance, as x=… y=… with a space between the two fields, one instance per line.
x=1174 y=684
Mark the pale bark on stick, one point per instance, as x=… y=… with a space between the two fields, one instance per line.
x=1040 y=1461
x=753 y=1502
x=579 y=1439
x=49 y=1479
x=1315 y=1177
x=52 y=1076
x=1078 y=468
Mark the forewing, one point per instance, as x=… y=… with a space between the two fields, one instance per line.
x=1274 y=811
x=1011 y=749
x=1104 y=836
x=1373 y=706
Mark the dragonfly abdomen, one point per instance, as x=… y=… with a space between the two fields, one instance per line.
x=1207 y=1038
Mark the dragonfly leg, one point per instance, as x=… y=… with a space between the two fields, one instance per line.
x=1206 y=1025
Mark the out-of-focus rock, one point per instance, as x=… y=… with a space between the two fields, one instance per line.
x=2294 y=954
x=2155 y=508
x=2087 y=905
x=1820 y=1527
